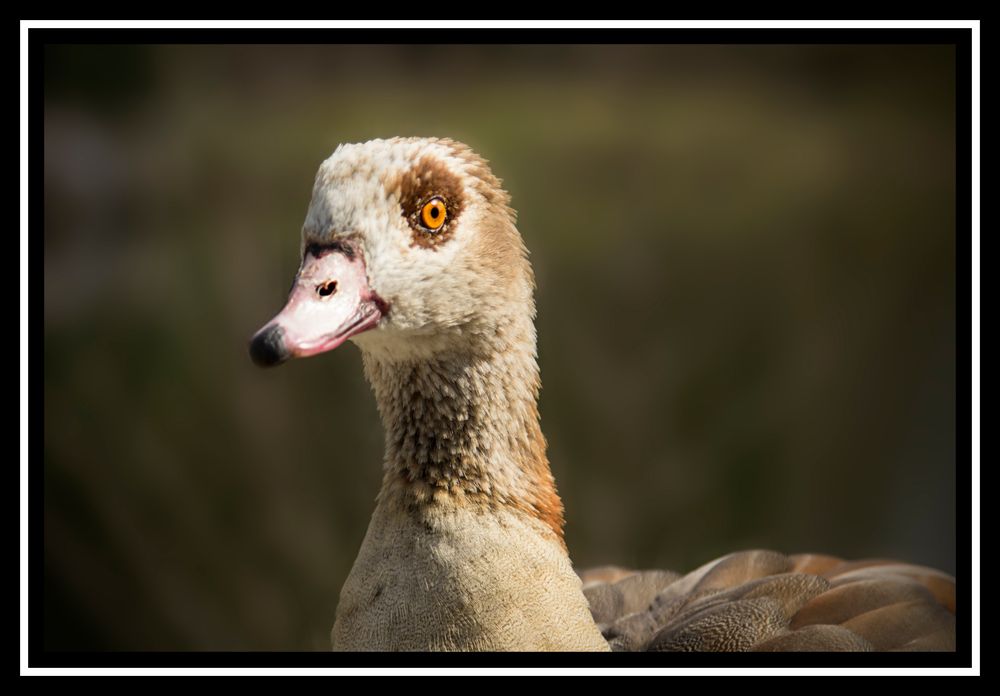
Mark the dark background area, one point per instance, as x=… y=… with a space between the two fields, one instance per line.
x=746 y=287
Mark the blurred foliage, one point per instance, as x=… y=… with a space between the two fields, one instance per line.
x=746 y=287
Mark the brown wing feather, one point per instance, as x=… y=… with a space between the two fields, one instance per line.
x=766 y=601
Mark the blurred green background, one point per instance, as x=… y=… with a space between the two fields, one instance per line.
x=746 y=287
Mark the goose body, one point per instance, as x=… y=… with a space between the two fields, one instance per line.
x=410 y=250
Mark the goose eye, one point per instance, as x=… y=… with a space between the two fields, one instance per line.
x=433 y=214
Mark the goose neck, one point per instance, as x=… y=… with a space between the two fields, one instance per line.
x=462 y=428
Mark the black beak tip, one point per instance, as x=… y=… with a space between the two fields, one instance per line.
x=267 y=348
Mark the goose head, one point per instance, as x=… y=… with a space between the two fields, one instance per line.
x=408 y=249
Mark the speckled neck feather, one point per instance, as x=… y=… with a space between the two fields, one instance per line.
x=462 y=427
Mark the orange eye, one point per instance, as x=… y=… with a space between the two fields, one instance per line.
x=433 y=214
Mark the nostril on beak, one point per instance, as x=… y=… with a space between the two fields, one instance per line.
x=327 y=288
x=267 y=348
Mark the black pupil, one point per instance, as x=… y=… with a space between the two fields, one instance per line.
x=434 y=211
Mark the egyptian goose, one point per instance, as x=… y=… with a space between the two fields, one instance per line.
x=409 y=249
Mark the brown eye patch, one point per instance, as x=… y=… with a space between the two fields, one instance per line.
x=429 y=180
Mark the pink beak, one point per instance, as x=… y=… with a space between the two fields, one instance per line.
x=330 y=301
